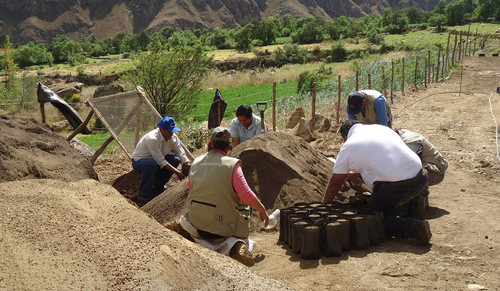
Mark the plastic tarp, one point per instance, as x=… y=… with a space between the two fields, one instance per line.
x=214 y=116
x=46 y=95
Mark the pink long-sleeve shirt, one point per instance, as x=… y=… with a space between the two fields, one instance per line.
x=240 y=184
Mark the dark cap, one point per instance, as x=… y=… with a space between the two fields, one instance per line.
x=220 y=133
x=168 y=123
x=355 y=100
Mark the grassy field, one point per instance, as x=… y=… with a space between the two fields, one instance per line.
x=249 y=87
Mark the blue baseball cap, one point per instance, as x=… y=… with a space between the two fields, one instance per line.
x=355 y=100
x=168 y=123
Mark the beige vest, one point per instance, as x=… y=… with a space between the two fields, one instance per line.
x=432 y=160
x=370 y=115
x=213 y=204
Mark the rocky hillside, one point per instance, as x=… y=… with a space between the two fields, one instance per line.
x=41 y=20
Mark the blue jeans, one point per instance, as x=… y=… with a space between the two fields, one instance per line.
x=392 y=197
x=152 y=175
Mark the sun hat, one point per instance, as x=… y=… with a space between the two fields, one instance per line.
x=221 y=133
x=355 y=100
x=168 y=123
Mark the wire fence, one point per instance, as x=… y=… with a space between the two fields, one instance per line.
x=328 y=98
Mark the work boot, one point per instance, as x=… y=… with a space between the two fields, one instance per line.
x=424 y=232
x=241 y=253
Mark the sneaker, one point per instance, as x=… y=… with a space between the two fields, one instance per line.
x=241 y=253
x=424 y=232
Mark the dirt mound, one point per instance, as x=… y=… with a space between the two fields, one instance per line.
x=85 y=235
x=30 y=150
x=282 y=169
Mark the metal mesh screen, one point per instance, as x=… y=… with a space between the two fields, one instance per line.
x=127 y=116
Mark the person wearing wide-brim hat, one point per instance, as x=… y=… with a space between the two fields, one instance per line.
x=154 y=161
x=370 y=107
x=218 y=200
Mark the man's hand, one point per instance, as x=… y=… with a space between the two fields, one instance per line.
x=180 y=175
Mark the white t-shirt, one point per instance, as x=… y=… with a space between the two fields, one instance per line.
x=378 y=154
x=244 y=134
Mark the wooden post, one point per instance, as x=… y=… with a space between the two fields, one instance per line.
x=403 y=81
x=442 y=66
x=433 y=72
x=437 y=64
x=338 y=99
x=392 y=81
x=383 y=82
x=274 y=106
x=313 y=109
x=429 y=66
x=467 y=41
x=42 y=112
x=460 y=48
x=475 y=40
x=416 y=71
x=369 y=81
x=454 y=50
x=425 y=74
x=447 y=52
x=357 y=80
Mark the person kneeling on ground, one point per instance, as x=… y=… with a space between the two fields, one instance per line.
x=432 y=160
x=218 y=216
x=153 y=160
x=378 y=155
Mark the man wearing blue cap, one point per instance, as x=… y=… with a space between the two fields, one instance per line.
x=370 y=107
x=153 y=160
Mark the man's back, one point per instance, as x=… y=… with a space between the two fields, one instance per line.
x=378 y=154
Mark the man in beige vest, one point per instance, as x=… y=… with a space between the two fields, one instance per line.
x=370 y=107
x=432 y=160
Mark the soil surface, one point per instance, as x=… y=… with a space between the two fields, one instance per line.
x=68 y=234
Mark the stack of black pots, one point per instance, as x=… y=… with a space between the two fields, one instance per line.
x=316 y=229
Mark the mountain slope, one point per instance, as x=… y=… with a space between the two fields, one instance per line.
x=41 y=20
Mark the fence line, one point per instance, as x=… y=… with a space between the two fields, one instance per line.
x=405 y=70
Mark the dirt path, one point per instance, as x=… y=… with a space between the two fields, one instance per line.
x=463 y=209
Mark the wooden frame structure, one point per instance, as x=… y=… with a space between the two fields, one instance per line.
x=141 y=99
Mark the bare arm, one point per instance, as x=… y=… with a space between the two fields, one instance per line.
x=257 y=205
x=334 y=186
x=235 y=141
x=170 y=168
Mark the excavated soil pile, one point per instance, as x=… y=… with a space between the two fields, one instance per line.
x=30 y=150
x=282 y=169
x=84 y=235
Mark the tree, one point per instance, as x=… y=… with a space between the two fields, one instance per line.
x=267 y=31
x=394 y=21
x=333 y=29
x=218 y=38
x=458 y=12
x=438 y=20
x=30 y=54
x=170 y=78
x=243 y=37
x=66 y=50
x=311 y=31
x=9 y=65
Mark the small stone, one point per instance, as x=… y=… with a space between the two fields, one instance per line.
x=463 y=190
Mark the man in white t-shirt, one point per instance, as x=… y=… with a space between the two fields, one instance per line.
x=380 y=157
x=245 y=125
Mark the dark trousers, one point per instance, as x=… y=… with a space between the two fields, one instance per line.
x=391 y=197
x=152 y=175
